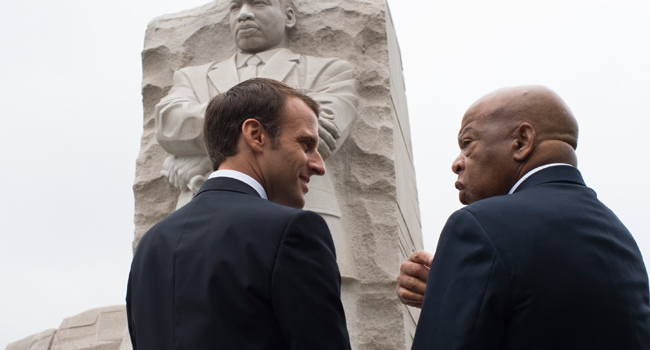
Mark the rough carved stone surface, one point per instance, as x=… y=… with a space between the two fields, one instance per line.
x=372 y=171
x=97 y=329
x=180 y=114
x=39 y=341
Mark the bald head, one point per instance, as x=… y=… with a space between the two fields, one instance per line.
x=540 y=106
x=509 y=132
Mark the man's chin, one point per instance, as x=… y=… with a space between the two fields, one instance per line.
x=461 y=197
x=465 y=199
x=250 y=45
x=296 y=203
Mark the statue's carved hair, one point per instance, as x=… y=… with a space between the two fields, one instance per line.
x=261 y=99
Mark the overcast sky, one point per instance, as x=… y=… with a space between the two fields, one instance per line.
x=72 y=120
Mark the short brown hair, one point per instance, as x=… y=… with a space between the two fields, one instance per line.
x=260 y=99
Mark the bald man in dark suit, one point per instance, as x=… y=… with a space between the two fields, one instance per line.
x=535 y=260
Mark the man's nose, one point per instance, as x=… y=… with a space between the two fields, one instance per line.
x=316 y=164
x=458 y=165
x=245 y=13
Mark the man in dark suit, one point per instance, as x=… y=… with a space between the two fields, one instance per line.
x=231 y=269
x=535 y=260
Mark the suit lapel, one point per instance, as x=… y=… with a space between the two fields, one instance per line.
x=224 y=75
x=280 y=65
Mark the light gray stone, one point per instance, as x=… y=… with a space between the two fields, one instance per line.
x=97 y=329
x=101 y=328
x=330 y=81
x=369 y=197
x=39 y=341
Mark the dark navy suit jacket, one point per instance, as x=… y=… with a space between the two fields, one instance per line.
x=548 y=267
x=231 y=270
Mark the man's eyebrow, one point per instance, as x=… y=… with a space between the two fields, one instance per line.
x=463 y=132
x=307 y=138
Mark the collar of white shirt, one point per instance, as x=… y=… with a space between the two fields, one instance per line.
x=265 y=56
x=233 y=174
x=528 y=174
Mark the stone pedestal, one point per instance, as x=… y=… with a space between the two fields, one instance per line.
x=97 y=329
x=373 y=172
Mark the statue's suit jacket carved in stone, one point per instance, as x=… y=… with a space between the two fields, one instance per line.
x=231 y=270
x=330 y=81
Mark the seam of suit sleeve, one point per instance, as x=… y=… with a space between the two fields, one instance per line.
x=497 y=256
x=275 y=262
x=487 y=283
x=284 y=234
x=492 y=243
x=174 y=272
x=277 y=252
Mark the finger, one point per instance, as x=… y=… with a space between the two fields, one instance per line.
x=327 y=113
x=198 y=169
x=324 y=150
x=172 y=176
x=327 y=137
x=409 y=298
x=206 y=164
x=415 y=270
x=330 y=127
x=421 y=257
x=181 y=180
x=418 y=305
x=412 y=284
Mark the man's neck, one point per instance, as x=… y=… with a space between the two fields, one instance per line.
x=282 y=45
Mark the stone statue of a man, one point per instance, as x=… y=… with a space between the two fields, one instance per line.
x=260 y=30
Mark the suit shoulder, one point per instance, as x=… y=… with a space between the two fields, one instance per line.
x=194 y=72
x=268 y=210
x=505 y=203
x=295 y=218
x=331 y=62
x=194 y=69
x=308 y=215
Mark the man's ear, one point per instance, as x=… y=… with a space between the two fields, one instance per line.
x=290 y=17
x=524 y=142
x=254 y=134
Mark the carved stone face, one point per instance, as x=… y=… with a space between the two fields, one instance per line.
x=260 y=25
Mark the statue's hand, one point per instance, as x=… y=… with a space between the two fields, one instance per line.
x=412 y=279
x=185 y=171
x=328 y=133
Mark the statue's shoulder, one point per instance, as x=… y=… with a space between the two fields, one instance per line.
x=193 y=70
x=323 y=60
x=334 y=63
x=195 y=74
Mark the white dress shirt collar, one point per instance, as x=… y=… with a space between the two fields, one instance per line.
x=265 y=56
x=233 y=174
x=528 y=174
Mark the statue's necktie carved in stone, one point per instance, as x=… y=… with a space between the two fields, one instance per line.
x=251 y=68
